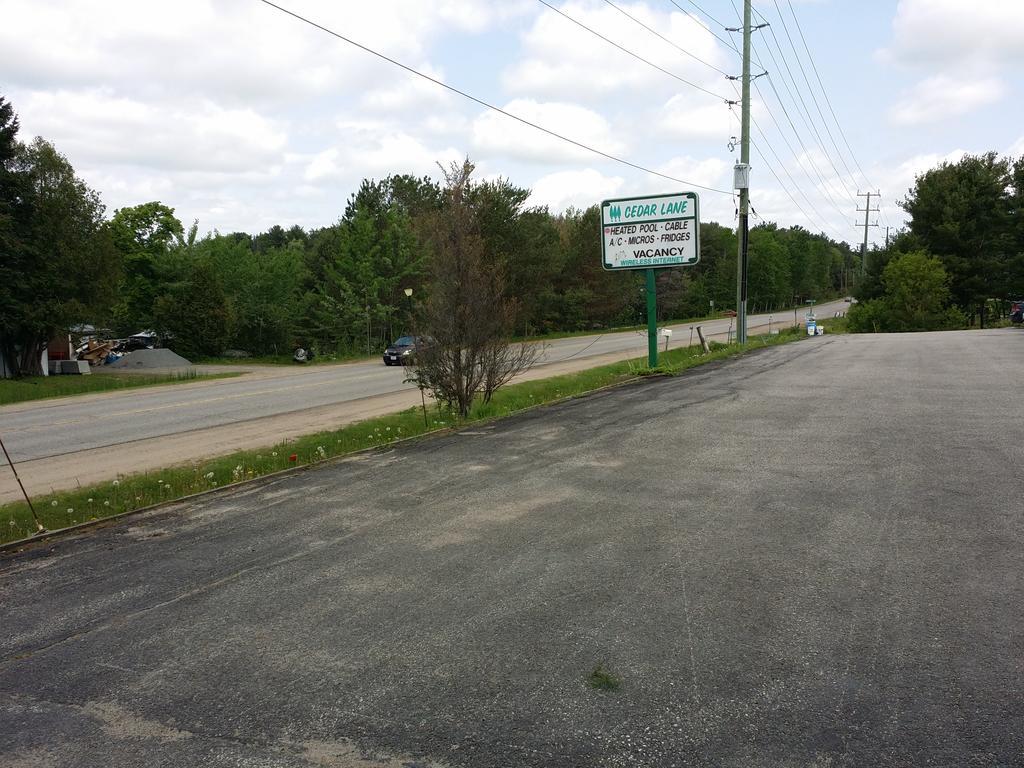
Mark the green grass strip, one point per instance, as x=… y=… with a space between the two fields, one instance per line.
x=132 y=492
x=43 y=387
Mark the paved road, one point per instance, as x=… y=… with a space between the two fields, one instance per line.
x=808 y=556
x=52 y=428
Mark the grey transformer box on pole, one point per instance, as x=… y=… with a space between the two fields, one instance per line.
x=741 y=176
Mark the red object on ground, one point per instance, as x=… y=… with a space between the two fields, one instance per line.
x=293 y=457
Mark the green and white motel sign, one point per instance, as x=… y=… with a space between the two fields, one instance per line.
x=651 y=233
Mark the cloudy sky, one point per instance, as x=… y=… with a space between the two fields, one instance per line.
x=242 y=117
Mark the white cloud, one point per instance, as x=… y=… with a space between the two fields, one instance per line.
x=408 y=94
x=375 y=150
x=95 y=126
x=711 y=172
x=579 y=189
x=683 y=117
x=951 y=32
x=775 y=205
x=216 y=106
x=495 y=134
x=942 y=96
x=563 y=61
x=967 y=50
x=232 y=50
x=899 y=179
x=234 y=113
x=224 y=50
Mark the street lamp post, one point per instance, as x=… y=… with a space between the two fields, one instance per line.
x=408 y=296
x=419 y=383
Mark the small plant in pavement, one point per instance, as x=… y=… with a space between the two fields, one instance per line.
x=602 y=679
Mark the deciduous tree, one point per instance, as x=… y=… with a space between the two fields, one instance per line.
x=963 y=213
x=468 y=315
x=144 y=234
x=62 y=259
x=916 y=297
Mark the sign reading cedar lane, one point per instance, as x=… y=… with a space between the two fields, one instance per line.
x=653 y=231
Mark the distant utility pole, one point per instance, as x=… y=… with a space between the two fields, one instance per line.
x=867 y=209
x=742 y=180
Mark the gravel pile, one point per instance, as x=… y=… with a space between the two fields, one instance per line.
x=150 y=359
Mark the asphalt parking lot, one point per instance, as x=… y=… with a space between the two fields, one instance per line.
x=810 y=556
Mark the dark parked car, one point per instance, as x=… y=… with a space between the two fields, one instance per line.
x=1017 y=312
x=402 y=352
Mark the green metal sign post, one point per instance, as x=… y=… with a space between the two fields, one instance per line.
x=652 y=321
x=651 y=233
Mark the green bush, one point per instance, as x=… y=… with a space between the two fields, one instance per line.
x=916 y=297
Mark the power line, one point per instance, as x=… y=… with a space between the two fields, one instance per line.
x=810 y=158
x=828 y=101
x=825 y=187
x=488 y=105
x=785 y=189
x=810 y=89
x=655 y=66
x=782 y=165
x=817 y=105
x=785 y=170
x=805 y=116
x=658 y=34
x=636 y=56
x=691 y=2
x=771 y=170
x=811 y=162
x=810 y=120
x=824 y=184
x=727 y=43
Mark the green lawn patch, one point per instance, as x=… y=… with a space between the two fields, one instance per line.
x=132 y=492
x=835 y=324
x=551 y=336
x=41 y=387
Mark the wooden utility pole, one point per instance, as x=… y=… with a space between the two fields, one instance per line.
x=743 y=184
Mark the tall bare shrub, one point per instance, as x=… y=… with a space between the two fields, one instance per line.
x=465 y=349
